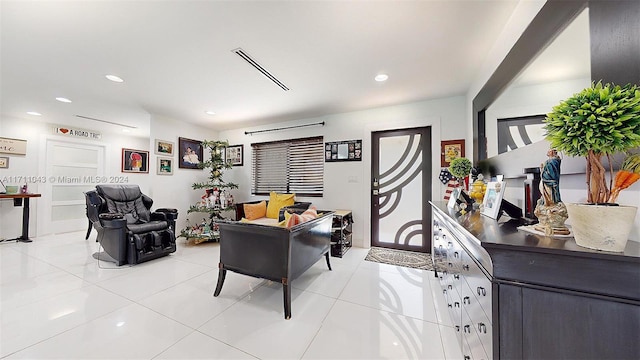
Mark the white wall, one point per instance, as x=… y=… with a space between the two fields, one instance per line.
x=167 y=191
x=446 y=117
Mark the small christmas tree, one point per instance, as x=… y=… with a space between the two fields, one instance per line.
x=216 y=198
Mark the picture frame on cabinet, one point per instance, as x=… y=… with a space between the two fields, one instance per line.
x=135 y=161
x=492 y=201
x=164 y=166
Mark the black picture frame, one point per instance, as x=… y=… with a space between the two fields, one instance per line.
x=348 y=150
x=135 y=161
x=234 y=155
x=191 y=152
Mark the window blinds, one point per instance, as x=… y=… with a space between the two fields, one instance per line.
x=290 y=166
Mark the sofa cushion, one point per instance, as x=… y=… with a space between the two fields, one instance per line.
x=292 y=220
x=278 y=201
x=255 y=211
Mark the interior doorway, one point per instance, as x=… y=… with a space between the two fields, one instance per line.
x=401 y=188
x=71 y=169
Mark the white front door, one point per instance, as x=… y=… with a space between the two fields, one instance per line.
x=71 y=169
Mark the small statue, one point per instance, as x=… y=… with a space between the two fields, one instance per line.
x=550 y=210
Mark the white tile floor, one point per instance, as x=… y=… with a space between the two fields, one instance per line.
x=57 y=302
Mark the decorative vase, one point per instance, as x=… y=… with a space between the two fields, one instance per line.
x=601 y=227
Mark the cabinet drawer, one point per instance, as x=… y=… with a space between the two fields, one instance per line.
x=470 y=335
x=478 y=284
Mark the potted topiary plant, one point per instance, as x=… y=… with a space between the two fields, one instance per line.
x=460 y=168
x=596 y=123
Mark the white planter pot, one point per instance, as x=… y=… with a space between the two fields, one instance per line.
x=601 y=227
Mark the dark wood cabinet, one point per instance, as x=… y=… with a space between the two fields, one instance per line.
x=550 y=299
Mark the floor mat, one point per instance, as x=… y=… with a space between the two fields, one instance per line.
x=409 y=259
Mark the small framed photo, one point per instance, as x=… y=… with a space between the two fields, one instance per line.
x=493 y=199
x=449 y=150
x=234 y=155
x=135 y=161
x=164 y=147
x=190 y=153
x=453 y=198
x=4 y=162
x=165 y=166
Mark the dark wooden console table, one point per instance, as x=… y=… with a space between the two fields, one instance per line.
x=18 y=201
x=550 y=298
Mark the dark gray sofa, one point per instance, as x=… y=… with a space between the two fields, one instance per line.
x=273 y=253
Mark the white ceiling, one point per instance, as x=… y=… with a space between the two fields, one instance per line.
x=176 y=59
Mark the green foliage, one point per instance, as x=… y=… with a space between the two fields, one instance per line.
x=216 y=166
x=460 y=167
x=601 y=118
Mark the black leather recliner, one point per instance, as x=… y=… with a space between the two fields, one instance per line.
x=127 y=230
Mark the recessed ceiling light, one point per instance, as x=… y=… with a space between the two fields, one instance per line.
x=34 y=113
x=381 y=77
x=63 y=99
x=210 y=112
x=114 y=78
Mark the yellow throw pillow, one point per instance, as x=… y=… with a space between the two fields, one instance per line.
x=277 y=202
x=255 y=211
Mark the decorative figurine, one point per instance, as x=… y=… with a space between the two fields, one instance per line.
x=550 y=210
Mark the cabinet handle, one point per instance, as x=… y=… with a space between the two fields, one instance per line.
x=466 y=267
x=456 y=276
x=467 y=357
x=449 y=287
x=449 y=244
x=440 y=246
x=448 y=305
x=482 y=291
x=456 y=304
x=466 y=300
x=467 y=329
x=455 y=254
x=444 y=291
x=458 y=328
x=450 y=265
x=482 y=328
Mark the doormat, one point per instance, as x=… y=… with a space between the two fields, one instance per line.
x=408 y=259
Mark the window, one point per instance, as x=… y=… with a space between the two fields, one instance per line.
x=290 y=166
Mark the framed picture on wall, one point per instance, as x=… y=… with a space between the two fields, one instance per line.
x=165 y=166
x=164 y=147
x=349 y=150
x=234 y=154
x=4 y=162
x=190 y=153
x=449 y=150
x=135 y=161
